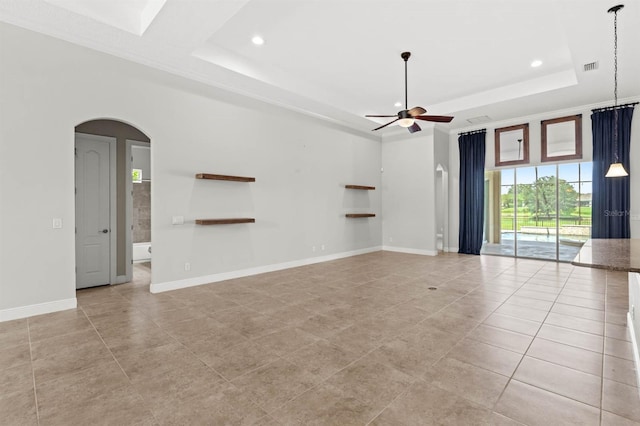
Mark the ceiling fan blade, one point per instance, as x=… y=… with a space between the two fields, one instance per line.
x=416 y=111
x=414 y=128
x=385 y=125
x=435 y=118
x=385 y=116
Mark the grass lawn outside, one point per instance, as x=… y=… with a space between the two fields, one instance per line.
x=526 y=219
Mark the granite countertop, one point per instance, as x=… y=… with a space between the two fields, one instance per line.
x=612 y=254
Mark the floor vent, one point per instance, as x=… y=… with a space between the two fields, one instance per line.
x=591 y=66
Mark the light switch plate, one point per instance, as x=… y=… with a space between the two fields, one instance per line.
x=177 y=220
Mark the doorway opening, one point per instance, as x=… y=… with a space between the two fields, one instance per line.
x=113 y=202
x=442 y=208
x=139 y=201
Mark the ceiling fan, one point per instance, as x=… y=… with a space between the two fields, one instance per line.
x=407 y=117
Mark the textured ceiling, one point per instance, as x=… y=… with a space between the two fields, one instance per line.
x=340 y=59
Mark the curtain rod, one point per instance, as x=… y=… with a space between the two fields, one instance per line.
x=472 y=132
x=614 y=107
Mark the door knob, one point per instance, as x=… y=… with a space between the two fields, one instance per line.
x=105 y=231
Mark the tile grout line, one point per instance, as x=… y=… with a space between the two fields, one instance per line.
x=33 y=373
x=555 y=393
x=151 y=319
x=322 y=381
x=530 y=343
x=355 y=361
x=228 y=381
x=116 y=360
x=604 y=342
x=417 y=379
x=459 y=340
x=175 y=340
x=482 y=322
x=394 y=400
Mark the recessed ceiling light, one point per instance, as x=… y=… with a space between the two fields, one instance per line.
x=536 y=63
x=257 y=40
x=397 y=104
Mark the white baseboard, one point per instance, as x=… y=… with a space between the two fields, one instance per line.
x=191 y=282
x=636 y=353
x=37 y=309
x=410 y=250
x=451 y=249
x=121 y=279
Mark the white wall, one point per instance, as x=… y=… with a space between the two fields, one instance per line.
x=49 y=86
x=535 y=155
x=408 y=193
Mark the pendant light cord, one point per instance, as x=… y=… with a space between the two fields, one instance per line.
x=615 y=58
x=615 y=86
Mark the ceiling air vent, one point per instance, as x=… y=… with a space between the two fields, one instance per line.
x=591 y=66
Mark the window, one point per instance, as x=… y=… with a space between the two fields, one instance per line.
x=541 y=212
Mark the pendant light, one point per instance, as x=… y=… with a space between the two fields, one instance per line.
x=616 y=169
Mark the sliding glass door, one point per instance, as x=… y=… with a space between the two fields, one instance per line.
x=536 y=222
x=540 y=212
x=574 y=181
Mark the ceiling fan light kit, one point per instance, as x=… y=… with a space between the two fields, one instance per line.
x=407 y=117
x=405 y=120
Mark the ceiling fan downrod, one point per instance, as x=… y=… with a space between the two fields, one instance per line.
x=405 y=56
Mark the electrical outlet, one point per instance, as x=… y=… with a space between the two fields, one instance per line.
x=177 y=220
x=313 y=248
x=390 y=239
x=322 y=247
x=57 y=223
x=187 y=266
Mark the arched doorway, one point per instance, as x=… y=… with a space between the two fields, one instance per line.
x=113 y=210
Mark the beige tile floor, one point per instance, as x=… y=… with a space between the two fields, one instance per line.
x=363 y=340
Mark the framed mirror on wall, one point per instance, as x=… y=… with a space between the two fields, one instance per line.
x=512 y=145
x=562 y=138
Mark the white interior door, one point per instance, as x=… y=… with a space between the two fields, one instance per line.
x=93 y=211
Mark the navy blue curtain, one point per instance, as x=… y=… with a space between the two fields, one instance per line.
x=611 y=196
x=472 y=151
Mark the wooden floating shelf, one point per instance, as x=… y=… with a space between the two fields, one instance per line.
x=356 y=215
x=224 y=221
x=225 y=177
x=367 y=188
